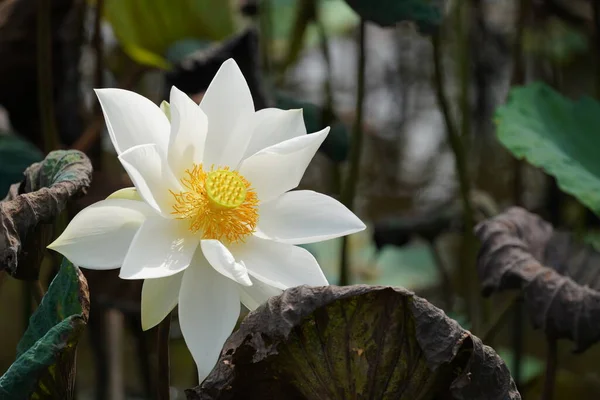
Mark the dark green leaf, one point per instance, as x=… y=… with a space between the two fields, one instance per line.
x=194 y=72
x=337 y=143
x=370 y=342
x=335 y=16
x=43 y=194
x=179 y=50
x=555 y=40
x=146 y=29
x=427 y=14
x=16 y=154
x=556 y=134
x=45 y=364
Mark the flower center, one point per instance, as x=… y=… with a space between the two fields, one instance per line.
x=220 y=204
x=225 y=188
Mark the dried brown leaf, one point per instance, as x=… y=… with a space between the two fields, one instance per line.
x=38 y=200
x=559 y=277
x=355 y=342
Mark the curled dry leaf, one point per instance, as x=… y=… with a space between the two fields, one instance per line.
x=354 y=342
x=37 y=200
x=559 y=278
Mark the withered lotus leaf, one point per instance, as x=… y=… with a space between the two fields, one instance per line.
x=354 y=342
x=558 y=276
x=37 y=200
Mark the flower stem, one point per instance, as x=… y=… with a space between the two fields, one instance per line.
x=327 y=116
x=447 y=289
x=456 y=140
x=499 y=316
x=162 y=339
x=27 y=304
x=463 y=19
x=37 y=291
x=97 y=43
x=114 y=320
x=518 y=333
x=98 y=47
x=596 y=10
x=265 y=23
x=551 y=363
x=44 y=76
x=518 y=78
x=349 y=188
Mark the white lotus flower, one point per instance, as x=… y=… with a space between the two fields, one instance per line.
x=211 y=220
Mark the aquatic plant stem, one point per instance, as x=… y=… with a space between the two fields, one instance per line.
x=498 y=317
x=162 y=350
x=37 y=291
x=551 y=364
x=44 y=76
x=518 y=71
x=265 y=23
x=456 y=143
x=327 y=116
x=517 y=79
x=98 y=48
x=114 y=320
x=27 y=304
x=306 y=12
x=596 y=11
x=94 y=152
x=518 y=333
x=447 y=290
x=349 y=187
x=2 y=277
x=464 y=67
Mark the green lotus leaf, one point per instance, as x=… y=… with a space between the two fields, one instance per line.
x=556 y=134
x=16 y=154
x=427 y=14
x=147 y=29
x=45 y=364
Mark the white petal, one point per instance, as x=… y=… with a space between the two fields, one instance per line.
x=229 y=107
x=224 y=263
x=159 y=298
x=280 y=265
x=188 y=133
x=151 y=176
x=129 y=193
x=279 y=168
x=161 y=247
x=257 y=294
x=99 y=236
x=272 y=126
x=132 y=120
x=304 y=216
x=209 y=306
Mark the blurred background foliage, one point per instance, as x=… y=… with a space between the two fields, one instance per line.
x=305 y=53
